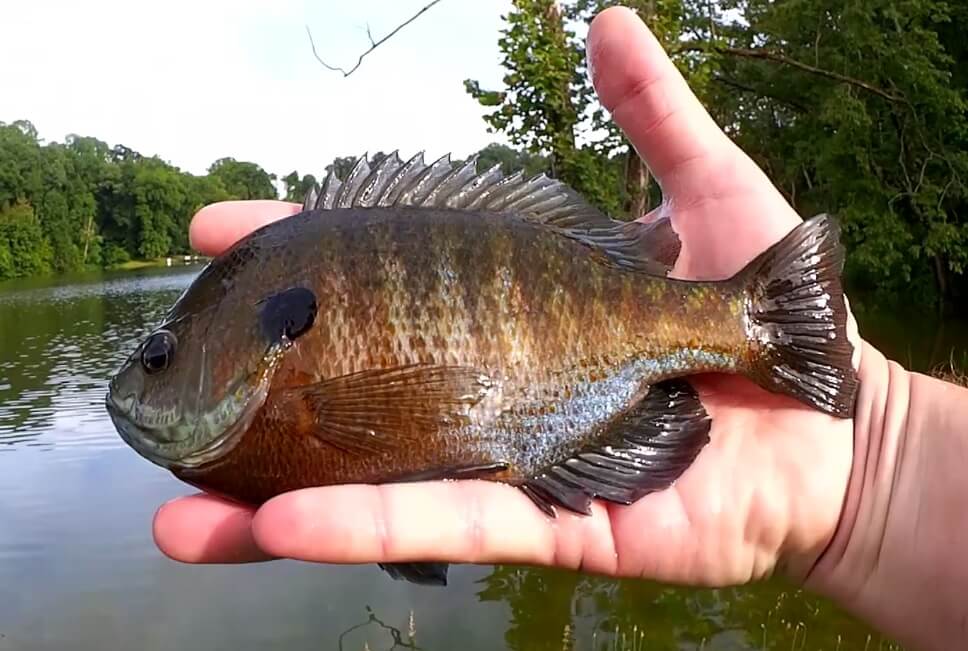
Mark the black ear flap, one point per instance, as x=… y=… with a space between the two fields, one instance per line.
x=289 y=314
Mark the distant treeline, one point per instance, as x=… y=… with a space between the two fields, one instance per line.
x=85 y=204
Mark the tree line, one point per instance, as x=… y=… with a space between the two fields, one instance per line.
x=855 y=108
x=85 y=204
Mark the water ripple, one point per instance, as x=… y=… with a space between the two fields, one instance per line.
x=61 y=343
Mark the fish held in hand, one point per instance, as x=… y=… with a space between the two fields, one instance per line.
x=424 y=321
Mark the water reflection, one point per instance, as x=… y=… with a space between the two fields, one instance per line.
x=60 y=343
x=398 y=638
x=561 y=611
x=78 y=568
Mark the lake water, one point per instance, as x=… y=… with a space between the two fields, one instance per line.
x=78 y=569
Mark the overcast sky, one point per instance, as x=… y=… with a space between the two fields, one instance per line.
x=195 y=80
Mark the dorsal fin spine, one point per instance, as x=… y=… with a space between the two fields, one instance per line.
x=398 y=184
x=477 y=188
x=373 y=186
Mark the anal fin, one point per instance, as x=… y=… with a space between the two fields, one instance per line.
x=419 y=573
x=644 y=450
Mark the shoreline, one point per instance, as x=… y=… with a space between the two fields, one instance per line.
x=168 y=261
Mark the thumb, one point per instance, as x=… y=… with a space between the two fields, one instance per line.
x=218 y=226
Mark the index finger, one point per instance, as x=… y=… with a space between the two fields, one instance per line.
x=218 y=226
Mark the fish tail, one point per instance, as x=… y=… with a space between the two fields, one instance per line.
x=796 y=319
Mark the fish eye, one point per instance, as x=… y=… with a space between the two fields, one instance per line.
x=158 y=352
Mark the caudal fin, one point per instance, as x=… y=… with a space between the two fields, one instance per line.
x=797 y=318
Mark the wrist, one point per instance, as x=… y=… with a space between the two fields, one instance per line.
x=897 y=558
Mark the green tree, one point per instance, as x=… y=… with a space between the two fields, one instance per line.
x=857 y=109
x=853 y=108
x=244 y=180
x=204 y=190
x=297 y=187
x=20 y=165
x=160 y=198
x=53 y=209
x=91 y=164
x=511 y=160
x=24 y=250
x=86 y=203
x=543 y=103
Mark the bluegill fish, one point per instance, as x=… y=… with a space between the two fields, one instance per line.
x=425 y=321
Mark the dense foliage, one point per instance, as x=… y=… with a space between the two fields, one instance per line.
x=82 y=203
x=856 y=108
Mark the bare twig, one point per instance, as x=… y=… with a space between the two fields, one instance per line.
x=768 y=55
x=373 y=44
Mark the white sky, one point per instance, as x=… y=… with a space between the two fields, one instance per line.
x=195 y=80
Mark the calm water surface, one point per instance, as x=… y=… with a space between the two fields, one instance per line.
x=78 y=569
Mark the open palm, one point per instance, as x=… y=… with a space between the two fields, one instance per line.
x=767 y=489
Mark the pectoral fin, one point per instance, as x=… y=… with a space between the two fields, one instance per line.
x=644 y=450
x=379 y=410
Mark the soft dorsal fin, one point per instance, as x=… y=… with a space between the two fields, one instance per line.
x=652 y=248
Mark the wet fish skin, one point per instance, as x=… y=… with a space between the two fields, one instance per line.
x=445 y=324
x=558 y=332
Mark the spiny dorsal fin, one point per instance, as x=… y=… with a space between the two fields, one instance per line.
x=652 y=248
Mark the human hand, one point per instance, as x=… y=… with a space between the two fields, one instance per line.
x=767 y=490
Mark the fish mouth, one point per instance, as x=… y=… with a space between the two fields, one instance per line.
x=181 y=441
x=149 y=442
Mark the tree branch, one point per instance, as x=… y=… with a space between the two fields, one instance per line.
x=732 y=83
x=776 y=57
x=373 y=44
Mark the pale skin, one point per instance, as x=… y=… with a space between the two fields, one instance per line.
x=872 y=512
